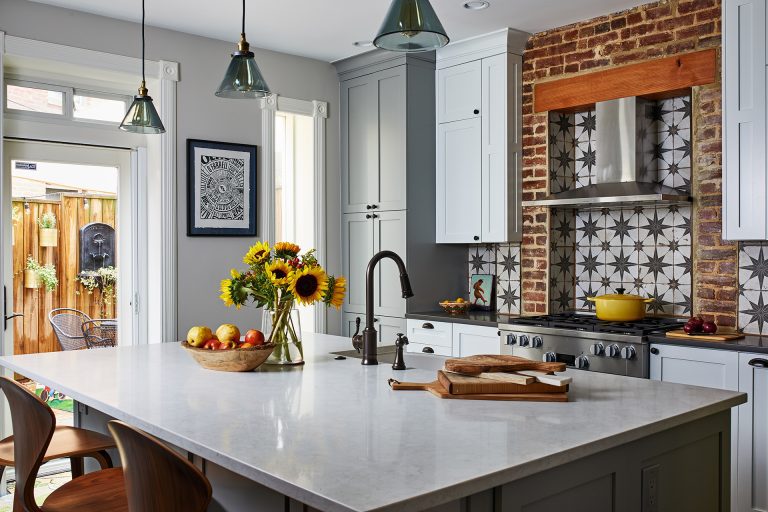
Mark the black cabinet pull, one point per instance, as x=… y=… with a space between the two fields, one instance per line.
x=374 y=216
x=759 y=363
x=477 y=111
x=476 y=237
x=654 y=351
x=427 y=325
x=428 y=350
x=368 y=206
x=375 y=319
x=367 y=215
x=374 y=206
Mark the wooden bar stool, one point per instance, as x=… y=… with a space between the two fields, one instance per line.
x=157 y=479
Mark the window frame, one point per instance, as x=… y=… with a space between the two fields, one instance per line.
x=66 y=105
x=78 y=91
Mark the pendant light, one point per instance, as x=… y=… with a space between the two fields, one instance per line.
x=142 y=116
x=411 y=26
x=243 y=78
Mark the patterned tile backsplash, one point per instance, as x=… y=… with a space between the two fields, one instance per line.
x=645 y=250
x=753 y=287
x=503 y=261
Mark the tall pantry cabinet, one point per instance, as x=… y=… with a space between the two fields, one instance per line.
x=388 y=189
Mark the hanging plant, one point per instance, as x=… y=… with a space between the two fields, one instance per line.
x=49 y=235
x=36 y=274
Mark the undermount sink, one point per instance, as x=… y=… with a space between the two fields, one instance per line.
x=386 y=355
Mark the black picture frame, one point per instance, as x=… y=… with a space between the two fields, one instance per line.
x=207 y=216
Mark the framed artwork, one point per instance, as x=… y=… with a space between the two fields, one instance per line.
x=221 y=189
x=481 y=293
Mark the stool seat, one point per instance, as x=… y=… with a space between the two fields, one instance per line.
x=100 y=491
x=66 y=442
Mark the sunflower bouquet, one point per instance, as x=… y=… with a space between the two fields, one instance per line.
x=278 y=278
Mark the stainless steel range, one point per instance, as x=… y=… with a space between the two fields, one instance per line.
x=582 y=341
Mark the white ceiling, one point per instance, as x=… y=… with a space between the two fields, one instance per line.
x=326 y=29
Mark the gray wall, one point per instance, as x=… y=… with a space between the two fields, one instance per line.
x=202 y=261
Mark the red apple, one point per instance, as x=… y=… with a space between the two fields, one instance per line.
x=214 y=345
x=254 y=337
x=709 y=327
x=689 y=328
x=208 y=345
x=696 y=322
x=227 y=345
x=245 y=345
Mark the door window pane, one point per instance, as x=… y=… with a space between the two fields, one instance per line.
x=32 y=99
x=99 y=109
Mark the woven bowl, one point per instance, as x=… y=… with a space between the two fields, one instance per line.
x=455 y=308
x=233 y=360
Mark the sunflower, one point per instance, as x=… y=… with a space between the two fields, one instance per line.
x=226 y=293
x=309 y=284
x=337 y=287
x=287 y=249
x=257 y=254
x=279 y=272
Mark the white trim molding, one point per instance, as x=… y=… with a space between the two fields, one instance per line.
x=318 y=110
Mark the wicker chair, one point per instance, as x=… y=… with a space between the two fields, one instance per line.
x=100 y=333
x=67 y=323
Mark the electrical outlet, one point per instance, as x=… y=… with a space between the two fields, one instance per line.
x=651 y=489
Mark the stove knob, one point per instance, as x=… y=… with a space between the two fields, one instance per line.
x=628 y=352
x=536 y=342
x=511 y=339
x=598 y=349
x=522 y=340
x=549 y=357
x=582 y=362
x=614 y=350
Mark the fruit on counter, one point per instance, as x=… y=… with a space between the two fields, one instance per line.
x=228 y=332
x=460 y=300
x=212 y=344
x=709 y=327
x=696 y=322
x=227 y=345
x=246 y=345
x=198 y=335
x=688 y=328
x=254 y=337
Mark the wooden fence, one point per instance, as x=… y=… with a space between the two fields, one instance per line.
x=33 y=332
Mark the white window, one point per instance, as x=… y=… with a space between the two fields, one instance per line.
x=36 y=99
x=102 y=107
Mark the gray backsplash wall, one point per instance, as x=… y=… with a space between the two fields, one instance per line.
x=645 y=250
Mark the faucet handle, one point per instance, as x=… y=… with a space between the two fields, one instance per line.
x=402 y=340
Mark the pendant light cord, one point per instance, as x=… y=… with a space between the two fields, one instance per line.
x=143 y=15
x=243 y=31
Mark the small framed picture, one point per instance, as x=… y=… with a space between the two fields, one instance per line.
x=481 y=291
x=221 y=189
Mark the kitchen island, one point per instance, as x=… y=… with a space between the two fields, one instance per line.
x=332 y=436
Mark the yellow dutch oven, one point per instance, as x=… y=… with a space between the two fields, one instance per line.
x=620 y=307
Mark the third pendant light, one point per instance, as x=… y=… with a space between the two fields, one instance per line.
x=411 y=26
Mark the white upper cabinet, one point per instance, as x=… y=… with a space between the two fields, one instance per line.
x=459 y=94
x=744 y=120
x=479 y=159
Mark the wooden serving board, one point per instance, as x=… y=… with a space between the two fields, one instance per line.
x=458 y=384
x=438 y=390
x=474 y=365
x=720 y=336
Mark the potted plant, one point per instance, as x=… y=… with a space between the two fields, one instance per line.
x=49 y=235
x=36 y=275
x=104 y=280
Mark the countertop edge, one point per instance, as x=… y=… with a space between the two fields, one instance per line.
x=741 y=345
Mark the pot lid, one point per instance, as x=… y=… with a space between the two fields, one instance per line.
x=620 y=296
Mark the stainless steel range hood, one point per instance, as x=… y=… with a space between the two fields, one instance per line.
x=626 y=173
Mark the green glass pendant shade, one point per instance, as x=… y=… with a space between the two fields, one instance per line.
x=142 y=117
x=411 y=26
x=243 y=78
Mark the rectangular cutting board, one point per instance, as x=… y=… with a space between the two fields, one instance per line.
x=474 y=365
x=438 y=390
x=457 y=384
x=724 y=336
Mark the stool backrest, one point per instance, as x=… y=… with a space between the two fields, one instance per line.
x=157 y=479
x=33 y=426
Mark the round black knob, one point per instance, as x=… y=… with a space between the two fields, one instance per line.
x=654 y=351
x=477 y=111
x=549 y=357
x=476 y=237
x=511 y=339
x=523 y=340
x=367 y=215
x=374 y=206
x=368 y=206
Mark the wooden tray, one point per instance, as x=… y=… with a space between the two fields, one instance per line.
x=474 y=365
x=438 y=390
x=457 y=384
x=720 y=336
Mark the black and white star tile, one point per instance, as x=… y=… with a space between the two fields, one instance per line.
x=503 y=261
x=753 y=289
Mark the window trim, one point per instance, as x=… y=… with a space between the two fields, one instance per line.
x=66 y=105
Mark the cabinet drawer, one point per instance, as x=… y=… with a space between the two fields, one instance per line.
x=470 y=340
x=436 y=349
x=430 y=333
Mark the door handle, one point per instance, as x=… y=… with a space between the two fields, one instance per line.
x=6 y=317
x=759 y=363
x=428 y=350
x=427 y=325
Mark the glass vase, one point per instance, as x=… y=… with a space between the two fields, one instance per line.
x=284 y=327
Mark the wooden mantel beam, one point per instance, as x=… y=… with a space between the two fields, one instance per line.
x=653 y=79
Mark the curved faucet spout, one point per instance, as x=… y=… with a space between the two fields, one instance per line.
x=369 y=334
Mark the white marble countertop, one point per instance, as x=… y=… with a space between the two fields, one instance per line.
x=335 y=436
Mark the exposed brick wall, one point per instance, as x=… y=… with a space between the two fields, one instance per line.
x=659 y=29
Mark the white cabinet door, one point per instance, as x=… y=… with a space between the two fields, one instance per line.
x=390 y=178
x=752 y=490
x=470 y=340
x=431 y=333
x=459 y=199
x=359 y=143
x=744 y=120
x=428 y=349
x=459 y=92
x=358 y=250
x=389 y=235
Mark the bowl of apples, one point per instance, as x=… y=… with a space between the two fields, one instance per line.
x=225 y=351
x=455 y=307
x=697 y=326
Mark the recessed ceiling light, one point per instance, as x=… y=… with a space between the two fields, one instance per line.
x=476 y=5
x=363 y=44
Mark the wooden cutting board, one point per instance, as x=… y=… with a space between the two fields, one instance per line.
x=438 y=390
x=720 y=336
x=458 y=384
x=474 y=365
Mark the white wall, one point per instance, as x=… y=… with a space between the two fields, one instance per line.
x=202 y=261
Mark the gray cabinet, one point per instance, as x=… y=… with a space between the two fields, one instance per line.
x=357 y=250
x=744 y=120
x=459 y=92
x=752 y=490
